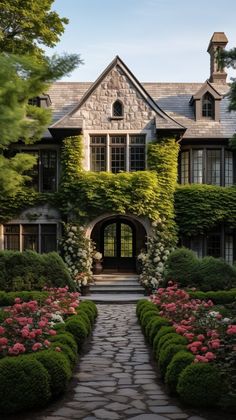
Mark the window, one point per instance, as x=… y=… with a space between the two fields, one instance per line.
x=206 y=166
x=208 y=106
x=118 y=153
x=98 y=153
x=44 y=172
x=213 y=167
x=229 y=248
x=137 y=153
x=110 y=242
x=126 y=241
x=214 y=244
x=185 y=167
x=197 y=166
x=12 y=237
x=117 y=109
x=39 y=238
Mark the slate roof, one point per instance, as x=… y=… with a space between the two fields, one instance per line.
x=172 y=98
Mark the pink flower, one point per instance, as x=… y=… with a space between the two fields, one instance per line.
x=17 y=300
x=214 y=344
x=47 y=343
x=16 y=349
x=3 y=341
x=201 y=337
x=204 y=349
x=2 y=330
x=42 y=324
x=57 y=349
x=231 y=329
x=25 y=332
x=52 y=332
x=210 y=356
x=71 y=310
x=36 y=346
x=8 y=321
x=200 y=358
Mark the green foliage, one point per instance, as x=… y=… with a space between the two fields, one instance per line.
x=179 y=362
x=163 y=331
x=58 y=369
x=147 y=306
x=85 y=318
x=181 y=266
x=76 y=326
x=65 y=338
x=200 y=385
x=31 y=271
x=72 y=160
x=165 y=339
x=7 y=299
x=166 y=356
x=147 y=316
x=67 y=352
x=89 y=306
x=24 y=384
x=88 y=311
x=28 y=24
x=206 y=273
x=228 y=59
x=218 y=297
x=199 y=208
x=156 y=326
x=139 y=305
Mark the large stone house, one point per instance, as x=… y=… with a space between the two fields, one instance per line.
x=118 y=116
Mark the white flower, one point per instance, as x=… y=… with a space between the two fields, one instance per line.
x=156 y=259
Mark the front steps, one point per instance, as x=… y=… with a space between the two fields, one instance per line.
x=116 y=288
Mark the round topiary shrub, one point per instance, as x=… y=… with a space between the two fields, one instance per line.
x=200 y=385
x=147 y=307
x=89 y=304
x=166 y=356
x=164 y=339
x=216 y=274
x=58 y=369
x=181 y=265
x=178 y=363
x=66 y=338
x=84 y=315
x=88 y=311
x=24 y=384
x=147 y=316
x=174 y=340
x=66 y=351
x=139 y=305
x=163 y=331
x=156 y=326
x=76 y=326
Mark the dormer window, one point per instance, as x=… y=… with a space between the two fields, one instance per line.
x=117 y=110
x=208 y=106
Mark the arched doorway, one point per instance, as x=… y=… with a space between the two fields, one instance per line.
x=120 y=240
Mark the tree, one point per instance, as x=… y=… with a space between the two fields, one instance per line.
x=27 y=24
x=22 y=78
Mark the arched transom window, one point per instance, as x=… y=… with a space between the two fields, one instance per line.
x=208 y=106
x=117 y=109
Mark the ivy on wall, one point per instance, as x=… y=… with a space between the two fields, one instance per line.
x=200 y=208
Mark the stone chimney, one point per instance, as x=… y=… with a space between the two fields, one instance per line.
x=217 y=74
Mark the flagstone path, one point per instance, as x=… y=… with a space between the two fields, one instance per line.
x=116 y=378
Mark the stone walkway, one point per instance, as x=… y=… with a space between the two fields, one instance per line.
x=116 y=379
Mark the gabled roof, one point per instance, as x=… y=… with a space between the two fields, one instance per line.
x=206 y=87
x=163 y=120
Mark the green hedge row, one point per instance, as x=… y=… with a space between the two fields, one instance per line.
x=197 y=384
x=219 y=297
x=8 y=298
x=29 y=270
x=30 y=381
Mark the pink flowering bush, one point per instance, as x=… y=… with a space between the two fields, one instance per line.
x=211 y=338
x=29 y=325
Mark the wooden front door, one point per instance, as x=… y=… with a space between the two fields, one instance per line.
x=118 y=245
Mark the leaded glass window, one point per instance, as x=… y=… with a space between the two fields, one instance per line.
x=197 y=163
x=48 y=170
x=12 y=237
x=117 y=109
x=118 y=153
x=98 y=153
x=110 y=241
x=229 y=248
x=137 y=153
x=48 y=238
x=126 y=241
x=185 y=167
x=30 y=237
x=213 y=167
x=214 y=244
x=208 y=106
x=228 y=168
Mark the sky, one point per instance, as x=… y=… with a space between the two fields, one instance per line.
x=159 y=40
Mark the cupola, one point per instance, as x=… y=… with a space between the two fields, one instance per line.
x=217 y=73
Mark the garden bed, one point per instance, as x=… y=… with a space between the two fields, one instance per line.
x=39 y=345
x=194 y=347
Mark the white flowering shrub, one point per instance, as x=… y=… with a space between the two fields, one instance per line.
x=159 y=246
x=77 y=251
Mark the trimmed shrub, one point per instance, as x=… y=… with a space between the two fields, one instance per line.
x=218 y=297
x=178 y=363
x=155 y=327
x=139 y=305
x=216 y=274
x=181 y=265
x=164 y=339
x=163 y=331
x=88 y=311
x=84 y=315
x=175 y=340
x=76 y=326
x=147 y=307
x=58 y=369
x=24 y=384
x=71 y=357
x=200 y=385
x=89 y=304
x=29 y=270
x=147 y=316
x=8 y=299
x=166 y=356
x=65 y=338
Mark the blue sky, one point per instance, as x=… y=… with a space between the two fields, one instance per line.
x=159 y=40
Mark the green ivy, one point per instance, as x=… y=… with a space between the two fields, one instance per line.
x=200 y=208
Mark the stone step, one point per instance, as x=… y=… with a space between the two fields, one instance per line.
x=124 y=277
x=116 y=289
x=116 y=283
x=114 y=298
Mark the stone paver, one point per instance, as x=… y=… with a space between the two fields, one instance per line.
x=116 y=379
